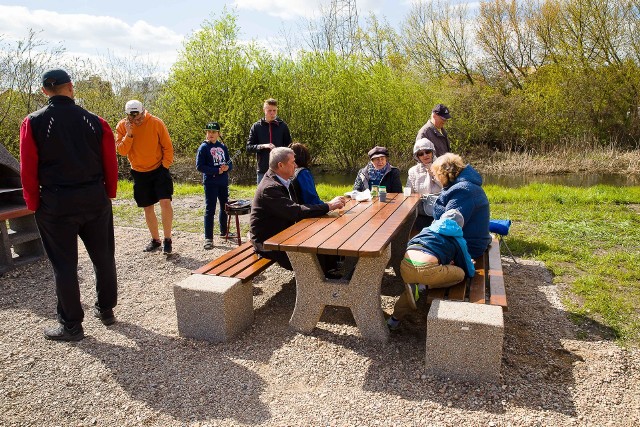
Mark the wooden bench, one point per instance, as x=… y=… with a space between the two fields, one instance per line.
x=19 y=237
x=465 y=324
x=215 y=303
x=241 y=263
x=486 y=287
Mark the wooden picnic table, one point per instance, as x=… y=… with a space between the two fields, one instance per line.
x=374 y=233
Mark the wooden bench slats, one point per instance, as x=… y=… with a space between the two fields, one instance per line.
x=498 y=294
x=241 y=263
x=245 y=258
x=13 y=211
x=457 y=292
x=247 y=246
x=250 y=271
x=486 y=287
x=437 y=293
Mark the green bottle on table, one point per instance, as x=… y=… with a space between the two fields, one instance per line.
x=382 y=193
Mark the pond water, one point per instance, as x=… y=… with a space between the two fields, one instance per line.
x=512 y=181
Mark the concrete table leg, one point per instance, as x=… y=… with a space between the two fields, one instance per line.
x=399 y=242
x=361 y=294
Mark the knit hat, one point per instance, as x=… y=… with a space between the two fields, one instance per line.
x=421 y=145
x=455 y=215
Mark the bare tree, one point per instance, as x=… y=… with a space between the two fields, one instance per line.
x=505 y=34
x=336 y=30
x=437 y=38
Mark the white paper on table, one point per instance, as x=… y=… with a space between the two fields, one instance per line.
x=362 y=196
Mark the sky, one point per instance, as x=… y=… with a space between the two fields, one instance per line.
x=157 y=29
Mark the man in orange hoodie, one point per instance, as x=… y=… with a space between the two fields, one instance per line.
x=144 y=139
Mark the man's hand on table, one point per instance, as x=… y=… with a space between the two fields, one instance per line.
x=336 y=203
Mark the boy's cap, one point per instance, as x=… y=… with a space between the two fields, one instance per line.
x=378 y=151
x=442 y=111
x=55 y=77
x=215 y=126
x=455 y=215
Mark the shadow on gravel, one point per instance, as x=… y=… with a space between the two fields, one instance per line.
x=537 y=369
x=185 y=384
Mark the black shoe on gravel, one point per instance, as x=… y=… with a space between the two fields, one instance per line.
x=106 y=317
x=166 y=247
x=153 y=245
x=62 y=333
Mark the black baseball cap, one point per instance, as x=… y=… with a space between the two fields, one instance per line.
x=442 y=111
x=214 y=126
x=55 y=77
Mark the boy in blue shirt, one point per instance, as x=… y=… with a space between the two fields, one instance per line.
x=215 y=164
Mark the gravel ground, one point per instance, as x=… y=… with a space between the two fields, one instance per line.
x=139 y=372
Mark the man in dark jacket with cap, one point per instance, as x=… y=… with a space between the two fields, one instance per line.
x=69 y=172
x=434 y=130
x=267 y=134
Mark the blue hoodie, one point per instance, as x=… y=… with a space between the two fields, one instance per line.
x=466 y=195
x=443 y=239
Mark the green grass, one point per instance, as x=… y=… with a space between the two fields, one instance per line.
x=588 y=237
x=590 y=240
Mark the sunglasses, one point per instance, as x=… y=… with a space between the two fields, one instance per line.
x=133 y=113
x=422 y=153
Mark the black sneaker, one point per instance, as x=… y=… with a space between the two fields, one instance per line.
x=153 y=245
x=106 y=317
x=166 y=248
x=62 y=333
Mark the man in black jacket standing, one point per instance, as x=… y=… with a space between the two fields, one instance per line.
x=266 y=134
x=69 y=172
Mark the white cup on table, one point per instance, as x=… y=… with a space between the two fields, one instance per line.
x=406 y=191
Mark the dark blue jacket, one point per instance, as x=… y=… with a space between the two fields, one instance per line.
x=443 y=239
x=208 y=161
x=305 y=187
x=466 y=195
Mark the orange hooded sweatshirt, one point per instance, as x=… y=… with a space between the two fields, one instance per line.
x=149 y=147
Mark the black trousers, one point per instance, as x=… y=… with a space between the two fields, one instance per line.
x=60 y=239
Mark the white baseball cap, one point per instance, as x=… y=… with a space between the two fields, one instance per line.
x=133 y=106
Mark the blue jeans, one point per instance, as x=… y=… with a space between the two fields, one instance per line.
x=213 y=193
x=259 y=176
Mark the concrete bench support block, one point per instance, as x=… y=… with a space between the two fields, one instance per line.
x=464 y=340
x=213 y=308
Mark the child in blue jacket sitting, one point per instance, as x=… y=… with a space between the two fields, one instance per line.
x=437 y=257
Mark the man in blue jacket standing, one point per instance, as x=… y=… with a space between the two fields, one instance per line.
x=266 y=134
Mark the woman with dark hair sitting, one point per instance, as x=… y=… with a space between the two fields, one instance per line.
x=303 y=183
